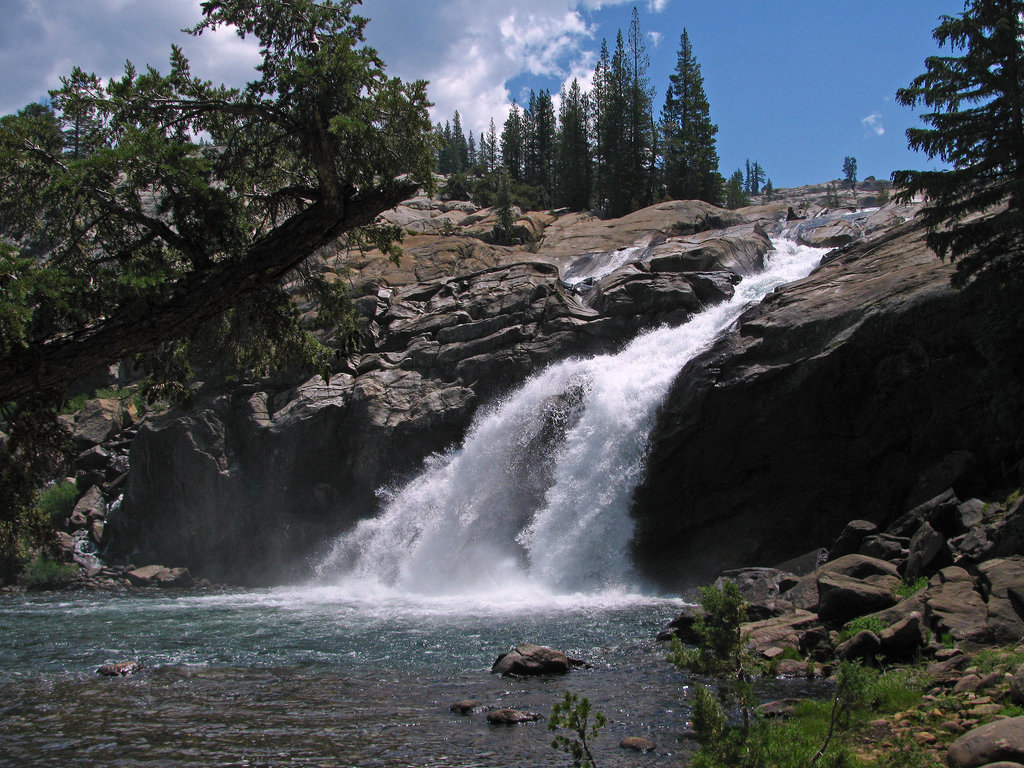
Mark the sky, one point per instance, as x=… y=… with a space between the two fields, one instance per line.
x=796 y=86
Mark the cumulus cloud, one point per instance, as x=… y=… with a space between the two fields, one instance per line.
x=657 y=6
x=42 y=39
x=656 y=38
x=873 y=124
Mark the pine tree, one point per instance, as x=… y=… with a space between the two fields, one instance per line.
x=975 y=210
x=754 y=178
x=735 y=196
x=690 y=164
x=640 y=123
x=539 y=145
x=575 y=176
x=512 y=144
x=850 y=170
x=491 y=155
x=460 y=148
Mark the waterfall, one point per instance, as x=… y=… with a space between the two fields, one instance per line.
x=538 y=494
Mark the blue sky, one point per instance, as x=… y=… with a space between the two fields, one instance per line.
x=796 y=86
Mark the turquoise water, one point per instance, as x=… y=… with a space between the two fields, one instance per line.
x=316 y=677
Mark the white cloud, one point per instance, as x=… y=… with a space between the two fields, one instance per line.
x=656 y=38
x=539 y=43
x=657 y=6
x=873 y=124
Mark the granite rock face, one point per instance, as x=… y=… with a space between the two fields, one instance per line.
x=244 y=488
x=867 y=387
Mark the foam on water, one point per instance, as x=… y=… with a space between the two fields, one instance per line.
x=535 y=502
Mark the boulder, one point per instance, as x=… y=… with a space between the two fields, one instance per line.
x=940 y=512
x=886 y=547
x=160 y=576
x=841 y=597
x=511 y=717
x=904 y=639
x=528 y=659
x=805 y=594
x=464 y=707
x=783 y=708
x=953 y=606
x=780 y=632
x=827 y=234
x=849 y=541
x=91 y=506
x=682 y=626
x=863 y=645
x=927 y=553
x=1001 y=583
x=98 y=421
x=758 y=585
x=1002 y=740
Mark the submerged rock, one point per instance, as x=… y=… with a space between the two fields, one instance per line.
x=120 y=668
x=511 y=717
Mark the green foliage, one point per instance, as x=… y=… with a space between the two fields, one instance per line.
x=860 y=624
x=850 y=170
x=975 y=97
x=45 y=573
x=124 y=234
x=690 y=164
x=883 y=197
x=735 y=197
x=831 y=196
x=907 y=588
x=573 y=715
x=57 y=502
x=720 y=650
x=37 y=446
x=987 y=659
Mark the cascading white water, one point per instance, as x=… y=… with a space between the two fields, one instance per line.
x=538 y=494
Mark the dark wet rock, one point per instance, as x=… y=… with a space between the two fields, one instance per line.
x=682 y=626
x=120 y=668
x=511 y=717
x=637 y=744
x=1002 y=740
x=849 y=541
x=527 y=659
x=464 y=707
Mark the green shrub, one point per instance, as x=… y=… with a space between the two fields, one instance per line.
x=57 y=501
x=907 y=588
x=45 y=573
x=859 y=625
x=573 y=714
